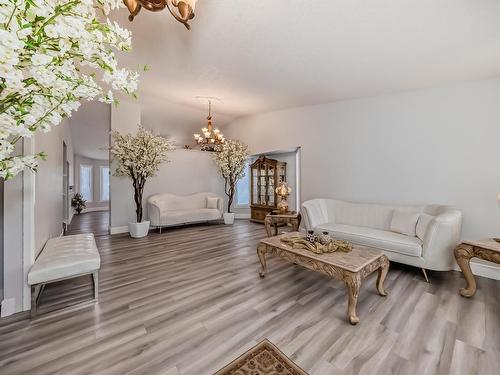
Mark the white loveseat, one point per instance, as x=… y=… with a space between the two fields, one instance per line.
x=170 y=209
x=435 y=233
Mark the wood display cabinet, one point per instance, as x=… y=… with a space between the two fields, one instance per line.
x=265 y=175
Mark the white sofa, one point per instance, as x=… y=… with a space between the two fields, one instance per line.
x=429 y=246
x=170 y=209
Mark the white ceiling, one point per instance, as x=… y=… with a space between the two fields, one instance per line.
x=265 y=55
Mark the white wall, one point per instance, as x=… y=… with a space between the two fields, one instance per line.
x=435 y=145
x=96 y=179
x=49 y=183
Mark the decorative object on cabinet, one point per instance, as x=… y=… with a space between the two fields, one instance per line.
x=283 y=191
x=266 y=175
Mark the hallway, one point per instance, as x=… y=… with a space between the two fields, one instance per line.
x=96 y=222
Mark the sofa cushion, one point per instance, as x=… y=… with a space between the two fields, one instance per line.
x=64 y=257
x=362 y=214
x=422 y=224
x=189 y=216
x=404 y=222
x=212 y=202
x=379 y=239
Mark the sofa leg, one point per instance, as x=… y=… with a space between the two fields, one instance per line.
x=425 y=275
x=160 y=230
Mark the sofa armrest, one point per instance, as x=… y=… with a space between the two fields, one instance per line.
x=220 y=205
x=441 y=237
x=154 y=213
x=313 y=213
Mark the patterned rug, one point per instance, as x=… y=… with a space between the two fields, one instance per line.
x=263 y=359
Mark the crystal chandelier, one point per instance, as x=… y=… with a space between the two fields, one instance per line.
x=210 y=137
x=183 y=14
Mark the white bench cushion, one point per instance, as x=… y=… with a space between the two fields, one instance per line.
x=64 y=257
x=384 y=240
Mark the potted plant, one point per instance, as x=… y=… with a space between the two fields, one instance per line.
x=78 y=203
x=230 y=159
x=138 y=157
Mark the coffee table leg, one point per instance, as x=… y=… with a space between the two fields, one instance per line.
x=382 y=273
x=261 y=252
x=353 y=283
x=463 y=255
x=268 y=225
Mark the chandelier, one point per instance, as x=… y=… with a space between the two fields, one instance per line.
x=184 y=12
x=210 y=137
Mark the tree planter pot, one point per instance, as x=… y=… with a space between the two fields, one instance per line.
x=228 y=217
x=138 y=230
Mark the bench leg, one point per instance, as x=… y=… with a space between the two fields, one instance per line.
x=33 y=301
x=36 y=292
x=95 y=282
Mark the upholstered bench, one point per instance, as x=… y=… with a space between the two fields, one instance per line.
x=64 y=258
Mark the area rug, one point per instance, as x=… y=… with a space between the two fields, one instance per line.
x=263 y=359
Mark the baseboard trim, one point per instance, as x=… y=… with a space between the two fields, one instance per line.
x=93 y=209
x=242 y=216
x=482 y=269
x=8 y=307
x=118 y=230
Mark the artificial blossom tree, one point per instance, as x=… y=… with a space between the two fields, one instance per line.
x=139 y=157
x=230 y=158
x=53 y=55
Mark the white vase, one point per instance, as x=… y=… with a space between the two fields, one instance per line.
x=228 y=217
x=138 y=230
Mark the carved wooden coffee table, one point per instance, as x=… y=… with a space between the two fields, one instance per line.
x=351 y=268
x=485 y=249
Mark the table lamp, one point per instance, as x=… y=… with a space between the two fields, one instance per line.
x=283 y=191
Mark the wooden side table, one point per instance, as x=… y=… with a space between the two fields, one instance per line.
x=273 y=220
x=484 y=249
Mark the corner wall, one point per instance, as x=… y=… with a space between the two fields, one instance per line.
x=436 y=145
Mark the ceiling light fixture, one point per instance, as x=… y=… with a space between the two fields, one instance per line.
x=210 y=137
x=182 y=10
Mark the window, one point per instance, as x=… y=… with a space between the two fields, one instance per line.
x=104 y=183
x=86 y=182
x=243 y=188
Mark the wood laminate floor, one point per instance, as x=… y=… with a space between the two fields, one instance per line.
x=96 y=222
x=189 y=300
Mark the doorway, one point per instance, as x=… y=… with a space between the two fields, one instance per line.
x=65 y=187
